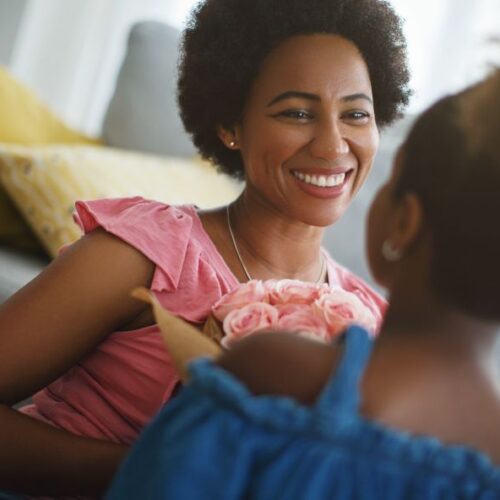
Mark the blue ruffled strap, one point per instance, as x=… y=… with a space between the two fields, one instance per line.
x=341 y=393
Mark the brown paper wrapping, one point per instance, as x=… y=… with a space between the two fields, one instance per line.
x=183 y=340
x=213 y=329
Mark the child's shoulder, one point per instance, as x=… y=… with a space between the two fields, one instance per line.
x=282 y=364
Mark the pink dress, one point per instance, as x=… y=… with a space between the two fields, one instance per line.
x=115 y=390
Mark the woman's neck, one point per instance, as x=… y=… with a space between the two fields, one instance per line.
x=273 y=246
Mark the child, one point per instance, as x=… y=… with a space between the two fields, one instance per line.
x=415 y=415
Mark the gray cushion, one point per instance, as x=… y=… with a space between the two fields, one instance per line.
x=16 y=269
x=143 y=114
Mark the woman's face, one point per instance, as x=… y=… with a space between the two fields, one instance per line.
x=308 y=133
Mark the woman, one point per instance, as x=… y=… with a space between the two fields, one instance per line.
x=288 y=97
x=412 y=415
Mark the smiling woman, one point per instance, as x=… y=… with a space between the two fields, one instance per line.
x=286 y=96
x=307 y=138
x=294 y=107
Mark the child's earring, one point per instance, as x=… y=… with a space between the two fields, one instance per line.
x=391 y=253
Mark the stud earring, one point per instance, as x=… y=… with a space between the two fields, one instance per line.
x=390 y=253
x=232 y=144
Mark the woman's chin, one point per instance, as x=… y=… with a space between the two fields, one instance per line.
x=329 y=216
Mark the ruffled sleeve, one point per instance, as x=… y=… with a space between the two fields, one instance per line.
x=173 y=238
x=142 y=224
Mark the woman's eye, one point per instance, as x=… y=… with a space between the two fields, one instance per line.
x=296 y=114
x=358 y=115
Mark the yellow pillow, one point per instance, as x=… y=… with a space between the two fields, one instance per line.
x=24 y=119
x=14 y=232
x=45 y=181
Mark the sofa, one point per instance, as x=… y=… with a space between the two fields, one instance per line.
x=143 y=150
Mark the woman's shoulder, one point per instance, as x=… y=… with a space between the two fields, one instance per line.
x=173 y=238
x=161 y=232
x=128 y=212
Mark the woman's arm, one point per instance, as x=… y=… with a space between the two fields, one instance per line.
x=36 y=458
x=45 y=329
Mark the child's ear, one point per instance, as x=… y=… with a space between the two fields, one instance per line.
x=408 y=224
x=229 y=136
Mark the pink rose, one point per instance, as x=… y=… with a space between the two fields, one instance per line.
x=294 y=291
x=341 y=308
x=248 y=293
x=249 y=319
x=270 y=285
x=302 y=319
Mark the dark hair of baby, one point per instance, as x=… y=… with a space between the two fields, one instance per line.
x=451 y=161
x=226 y=42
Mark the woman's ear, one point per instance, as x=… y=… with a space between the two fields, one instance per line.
x=228 y=136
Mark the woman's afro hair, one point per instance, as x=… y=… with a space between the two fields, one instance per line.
x=226 y=42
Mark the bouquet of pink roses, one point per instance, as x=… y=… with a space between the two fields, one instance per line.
x=315 y=311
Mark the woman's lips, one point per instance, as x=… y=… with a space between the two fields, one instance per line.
x=322 y=184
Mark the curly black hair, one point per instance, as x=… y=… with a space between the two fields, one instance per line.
x=451 y=161
x=226 y=42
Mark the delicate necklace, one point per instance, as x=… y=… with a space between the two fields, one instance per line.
x=322 y=273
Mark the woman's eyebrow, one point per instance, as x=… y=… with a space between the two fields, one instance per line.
x=354 y=97
x=289 y=94
x=293 y=93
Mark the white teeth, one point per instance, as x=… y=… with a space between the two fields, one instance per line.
x=321 y=180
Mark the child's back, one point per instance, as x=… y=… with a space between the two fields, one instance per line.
x=229 y=444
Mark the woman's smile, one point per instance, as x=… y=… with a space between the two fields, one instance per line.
x=321 y=183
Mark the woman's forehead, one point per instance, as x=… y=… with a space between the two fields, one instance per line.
x=321 y=64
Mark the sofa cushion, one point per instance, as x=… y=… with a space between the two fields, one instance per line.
x=26 y=120
x=15 y=233
x=45 y=181
x=143 y=113
x=17 y=269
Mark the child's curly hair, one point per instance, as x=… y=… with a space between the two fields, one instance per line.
x=226 y=42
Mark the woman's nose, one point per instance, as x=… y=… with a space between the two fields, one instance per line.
x=329 y=142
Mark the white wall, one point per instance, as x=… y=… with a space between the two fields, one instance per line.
x=448 y=45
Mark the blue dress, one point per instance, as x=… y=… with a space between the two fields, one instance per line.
x=217 y=441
